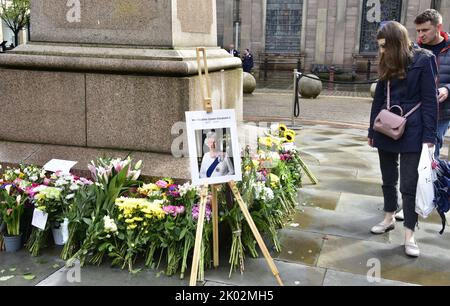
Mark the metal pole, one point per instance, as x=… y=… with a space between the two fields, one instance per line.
x=294 y=97
x=266 y=63
x=369 y=67
x=237 y=37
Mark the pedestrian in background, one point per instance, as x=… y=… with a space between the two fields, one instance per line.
x=433 y=38
x=247 y=61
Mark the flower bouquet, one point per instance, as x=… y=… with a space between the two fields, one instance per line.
x=11 y=210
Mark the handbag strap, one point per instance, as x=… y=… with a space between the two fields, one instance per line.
x=389 y=102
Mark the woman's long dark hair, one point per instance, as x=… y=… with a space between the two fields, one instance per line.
x=398 y=51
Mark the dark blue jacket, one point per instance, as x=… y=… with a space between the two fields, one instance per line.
x=247 y=63
x=419 y=86
x=443 y=62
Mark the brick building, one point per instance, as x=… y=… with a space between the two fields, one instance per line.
x=319 y=33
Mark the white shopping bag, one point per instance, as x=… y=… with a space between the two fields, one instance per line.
x=425 y=185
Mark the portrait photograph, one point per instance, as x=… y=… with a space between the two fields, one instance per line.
x=213 y=147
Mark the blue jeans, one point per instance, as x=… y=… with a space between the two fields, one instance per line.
x=442 y=130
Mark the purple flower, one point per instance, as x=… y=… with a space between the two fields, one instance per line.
x=196 y=211
x=173 y=191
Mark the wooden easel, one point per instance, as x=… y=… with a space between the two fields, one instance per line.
x=214 y=205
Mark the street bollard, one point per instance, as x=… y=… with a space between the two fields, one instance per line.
x=332 y=73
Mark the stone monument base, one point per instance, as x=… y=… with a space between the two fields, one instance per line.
x=121 y=98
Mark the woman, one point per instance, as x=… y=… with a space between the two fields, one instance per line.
x=411 y=74
x=215 y=163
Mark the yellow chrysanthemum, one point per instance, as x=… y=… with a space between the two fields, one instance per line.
x=148 y=189
x=138 y=219
x=131 y=226
x=129 y=221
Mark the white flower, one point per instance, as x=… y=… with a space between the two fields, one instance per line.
x=263 y=193
x=187 y=188
x=74 y=187
x=8 y=189
x=34 y=178
x=109 y=224
x=70 y=196
x=17 y=171
x=274 y=129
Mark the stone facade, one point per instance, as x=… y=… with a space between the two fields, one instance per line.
x=330 y=33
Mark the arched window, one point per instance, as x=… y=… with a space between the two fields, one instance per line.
x=283 y=26
x=373 y=13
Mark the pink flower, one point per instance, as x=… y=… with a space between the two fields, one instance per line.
x=161 y=184
x=9 y=211
x=174 y=210
x=47 y=182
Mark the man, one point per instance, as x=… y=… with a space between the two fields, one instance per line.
x=247 y=61
x=431 y=37
x=233 y=52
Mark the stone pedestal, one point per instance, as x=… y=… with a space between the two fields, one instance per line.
x=113 y=74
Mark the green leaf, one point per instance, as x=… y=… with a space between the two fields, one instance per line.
x=29 y=276
x=87 y=221
x=12 y=269
x=55 y=266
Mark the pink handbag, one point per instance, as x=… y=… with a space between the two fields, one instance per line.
x=389 y=123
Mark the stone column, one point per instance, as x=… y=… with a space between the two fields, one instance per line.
x=228 y=32
x=321 y=32
x=339 y=33
x=113 y=74
x=246 y=24
x=445 y=11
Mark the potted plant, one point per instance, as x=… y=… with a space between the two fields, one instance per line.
x=12 y=208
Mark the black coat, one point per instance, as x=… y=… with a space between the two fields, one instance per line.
x=247 y=63
x=443 y=61
x=419 y=86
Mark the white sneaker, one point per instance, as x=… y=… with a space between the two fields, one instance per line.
x=382 y=228
x=412 y=249
x=400 y=216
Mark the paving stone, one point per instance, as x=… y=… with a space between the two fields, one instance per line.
x=318 y=198
x=300 y=247
x=361 y=204
x=324 y=171
x=258 y=273
x=348 y=224
x=107 y=276
x=337 y=278
x=22 y=263
x=351 y=255
x=349 y=185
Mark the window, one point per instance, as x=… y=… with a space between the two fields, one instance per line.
x=373 y=13
x=283 y=26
